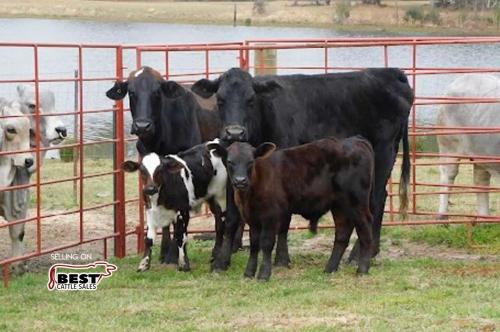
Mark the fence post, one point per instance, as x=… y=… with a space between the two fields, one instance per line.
x=118 y=159
x=75 y=134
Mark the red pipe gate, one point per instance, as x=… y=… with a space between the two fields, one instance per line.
x=117 y=60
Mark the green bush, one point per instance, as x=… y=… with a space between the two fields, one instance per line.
x=433 y=17
x=342 y=11
x=413 y=15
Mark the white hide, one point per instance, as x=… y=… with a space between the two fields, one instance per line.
x=470 y=115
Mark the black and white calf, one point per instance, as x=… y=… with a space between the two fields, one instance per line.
x=176 y=184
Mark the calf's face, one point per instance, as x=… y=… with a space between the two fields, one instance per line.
x=151 y=168
x=240 y=160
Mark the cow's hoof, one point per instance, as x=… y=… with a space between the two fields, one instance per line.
x=144 y=265
x=282 y=263
x=18 y=269
x=442 y=217
x=330 y=269
x=362 y=272
x=263 y=277
x=184 y=268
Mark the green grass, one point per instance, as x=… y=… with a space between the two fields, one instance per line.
x=485 y=238
x=411 y=294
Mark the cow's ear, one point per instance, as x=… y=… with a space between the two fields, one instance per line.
x=267 y=87
x=264 y=150
x=219 y=150
x=130 y=166
x=172 y=89
x=173 y=165
x=20 y=89
x=118 y=91
x=205 y=88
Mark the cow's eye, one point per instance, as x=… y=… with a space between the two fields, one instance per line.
x=32 y=106
x=11 y=130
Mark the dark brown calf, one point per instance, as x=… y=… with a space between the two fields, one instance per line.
x=310 y=180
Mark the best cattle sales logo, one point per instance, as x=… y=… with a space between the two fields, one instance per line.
x=79 y=277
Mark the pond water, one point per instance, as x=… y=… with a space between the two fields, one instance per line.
x=17 y=63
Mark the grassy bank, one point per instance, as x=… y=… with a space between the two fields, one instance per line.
x=401 y=16
x=406 y=294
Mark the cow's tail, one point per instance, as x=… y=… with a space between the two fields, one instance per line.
x=405 y=174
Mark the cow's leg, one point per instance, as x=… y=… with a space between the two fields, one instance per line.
x=255 y=231
x=233 y=219
x=482 y=178
x=238 y=238
x=343 y=231
x=313 y=225
x=145 y=263
x=181 y=237
x=16 y=233
x=448 y=174
x=170 y=250
x=267 y=239
x=385 y=157
x=219 y=227
x=362 y=222
x=282 y=256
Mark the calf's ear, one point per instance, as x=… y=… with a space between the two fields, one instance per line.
x=20 y=89
x=118 y=91
x=264 y=150
x=267 y=87
x=205 y=88
x=218 y=149
x=130 y=166
x=172 y=89
x=172 y=164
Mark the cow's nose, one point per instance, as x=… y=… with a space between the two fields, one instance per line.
x=141 y=127
x=28 y=162
x=240 y=182
x=150 y=190
x=236 y=133
x=62 y=132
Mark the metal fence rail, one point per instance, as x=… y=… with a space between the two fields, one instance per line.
x=210 y=61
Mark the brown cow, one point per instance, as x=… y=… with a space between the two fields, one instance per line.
x=310 y=180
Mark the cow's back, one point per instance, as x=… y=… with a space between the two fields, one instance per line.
x=472 y=115
x=310 y=107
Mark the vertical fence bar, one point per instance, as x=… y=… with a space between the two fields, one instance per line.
x=390 y=183
x=80 y=128
x=414 y=130
x=167 y=65
x=140 y=229
x=246 y=57
x=6 y=275
x=118 y=159
x=75 y=133
x=37 y=153
x=207 y=64
x=326 y=57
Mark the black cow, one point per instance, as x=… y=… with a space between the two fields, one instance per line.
x=296 y=109
x=176 y=184
x=310 y=180
x=168 y=119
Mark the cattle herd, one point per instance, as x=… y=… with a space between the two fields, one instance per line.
x=257 y=150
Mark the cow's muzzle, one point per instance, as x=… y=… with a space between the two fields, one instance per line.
x=235 y=133
x=240 y=182
x=62 y=132
x=142 y=127
x=150 y=190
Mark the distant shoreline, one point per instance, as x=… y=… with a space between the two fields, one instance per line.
x=360 y=18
